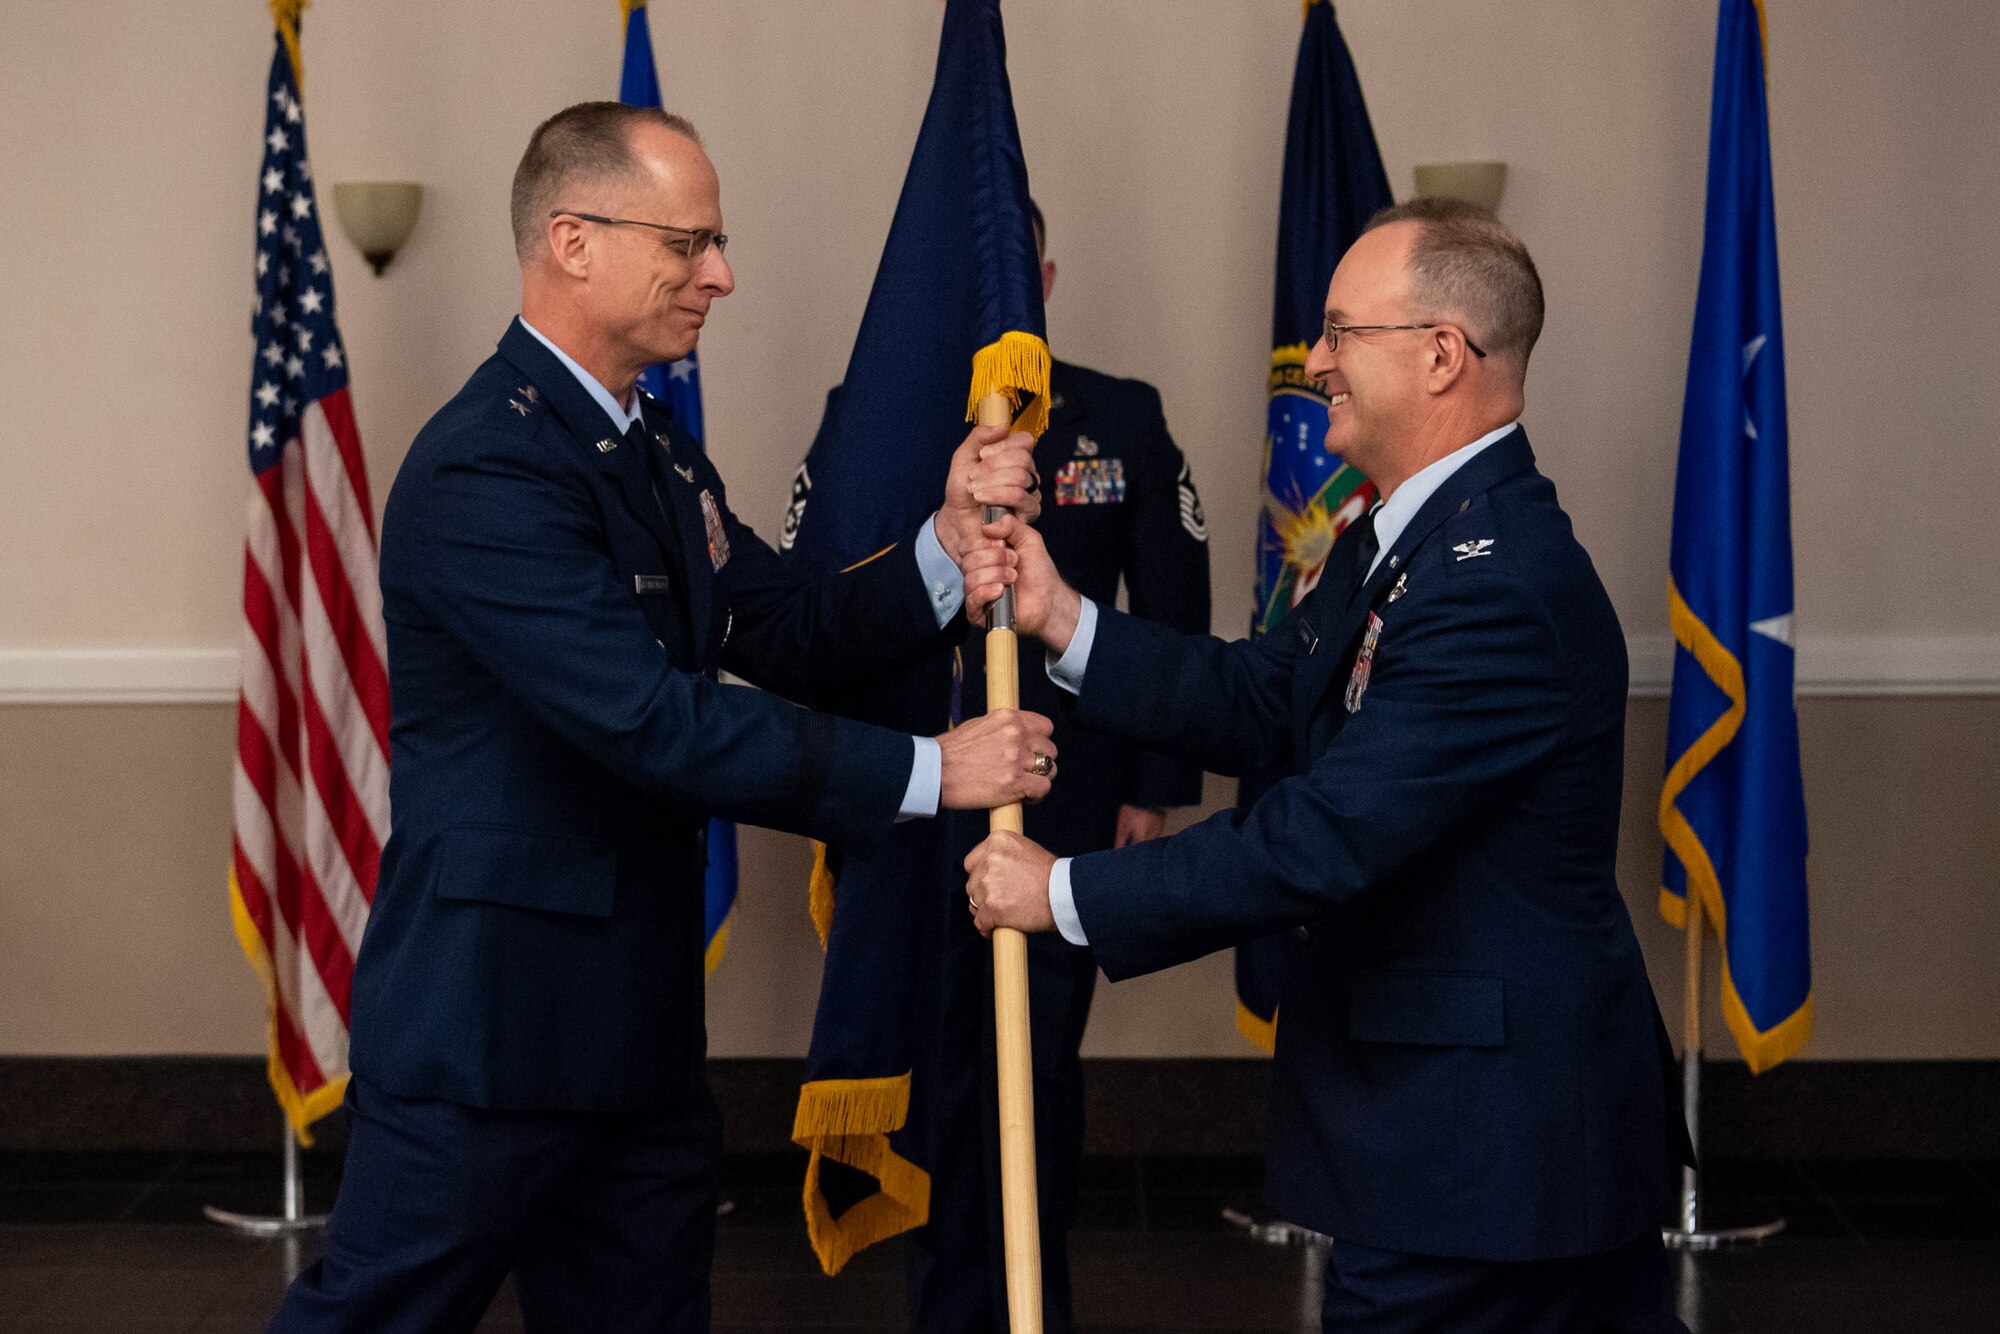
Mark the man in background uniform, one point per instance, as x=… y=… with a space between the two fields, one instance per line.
x=1118 y=503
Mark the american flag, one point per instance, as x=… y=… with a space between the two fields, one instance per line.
x=312 y=724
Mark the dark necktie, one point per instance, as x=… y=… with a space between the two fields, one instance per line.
x=1367 y=548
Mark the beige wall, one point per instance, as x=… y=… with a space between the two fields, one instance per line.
x=1153 y=136
x=114 y=936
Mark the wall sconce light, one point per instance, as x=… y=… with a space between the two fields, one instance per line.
x=1476 y=182
x=378 y=216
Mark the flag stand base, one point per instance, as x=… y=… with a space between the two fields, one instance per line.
x=1720 y=1238
x=1691 y=1235
x=293 y=1220
x=1312 y=1254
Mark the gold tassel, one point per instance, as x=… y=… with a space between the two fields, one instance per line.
x=286 y=14
x=819 y=895
x=849 y=1121
x=1014 y=365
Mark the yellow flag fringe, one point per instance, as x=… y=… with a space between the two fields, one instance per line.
x=300 y=1109
x=1015 y=365
x=849 y=1121
x=1762 y=1049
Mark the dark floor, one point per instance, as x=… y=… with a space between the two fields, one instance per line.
x=115 y=1242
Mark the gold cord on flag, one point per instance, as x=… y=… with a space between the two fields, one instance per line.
x=286 y=14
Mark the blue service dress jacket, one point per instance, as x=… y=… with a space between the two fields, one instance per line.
x=1469 y=1058
x=559 y=599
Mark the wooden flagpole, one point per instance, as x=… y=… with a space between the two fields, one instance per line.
x=1020 y=1213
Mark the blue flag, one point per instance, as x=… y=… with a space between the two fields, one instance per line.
x=678 y=385
x=1333 y=183
x=955 y=313
x=1733 y=806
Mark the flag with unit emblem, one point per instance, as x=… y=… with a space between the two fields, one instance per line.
x=678 y=385
x=1733 y=806
x=1333 y=183
x=311 y=789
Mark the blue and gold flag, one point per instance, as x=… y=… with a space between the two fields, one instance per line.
x=955 y=314
x=1333 y=183
x=678 y=385
x=1733 y=806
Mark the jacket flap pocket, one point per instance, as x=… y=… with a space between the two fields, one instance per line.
x=526 y=868
x=1428 y=1009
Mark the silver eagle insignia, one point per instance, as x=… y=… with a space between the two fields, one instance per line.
x=1482 y=546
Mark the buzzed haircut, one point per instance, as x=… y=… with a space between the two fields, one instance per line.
x=578 y=147
x=1465 y=264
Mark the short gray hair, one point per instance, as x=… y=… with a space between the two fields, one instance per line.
x=1465 y=263
x=581 y=145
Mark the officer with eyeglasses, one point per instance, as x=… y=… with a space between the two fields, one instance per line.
x=562 y=580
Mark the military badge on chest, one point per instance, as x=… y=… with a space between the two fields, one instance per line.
x=1091 y=481
x=1364 y=664
x=718 y=540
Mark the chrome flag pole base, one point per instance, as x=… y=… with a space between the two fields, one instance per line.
x=263 y=1225
x=292 y=1221
x=1274 y=1232
x=1720 y=1238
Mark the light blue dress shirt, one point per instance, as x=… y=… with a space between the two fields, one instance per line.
x=1392 y=516
x=943 y=583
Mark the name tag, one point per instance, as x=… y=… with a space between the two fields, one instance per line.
x=643 y=584
x=1091 y=482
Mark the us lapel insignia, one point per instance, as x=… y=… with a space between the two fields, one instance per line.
x=1402 y=584
x=518 y=406
x=1482 y=546
x=687 y=474
x=606 y=445
x=1364 y=664
x=718 y=540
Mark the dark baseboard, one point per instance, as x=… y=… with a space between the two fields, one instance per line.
x=1804 y=1110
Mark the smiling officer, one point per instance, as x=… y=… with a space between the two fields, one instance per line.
x=562 y=580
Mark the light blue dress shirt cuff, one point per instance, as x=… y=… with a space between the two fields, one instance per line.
x=1062 y=904
x=943 y=583
x=1067 y=671
x=920 y=798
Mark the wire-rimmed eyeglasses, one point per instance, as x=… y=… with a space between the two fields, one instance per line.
x=690 y=242
x=1334 y=331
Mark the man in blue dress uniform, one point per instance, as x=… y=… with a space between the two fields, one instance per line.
x=1121 y=506
x=1471 y=1089
x=562 y=580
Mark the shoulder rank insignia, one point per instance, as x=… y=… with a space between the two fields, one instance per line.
x=518 y=406
x=528 y=392
x=1482 y=546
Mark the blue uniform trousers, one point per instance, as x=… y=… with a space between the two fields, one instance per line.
x=606 y=1219
x=1623 y=1291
